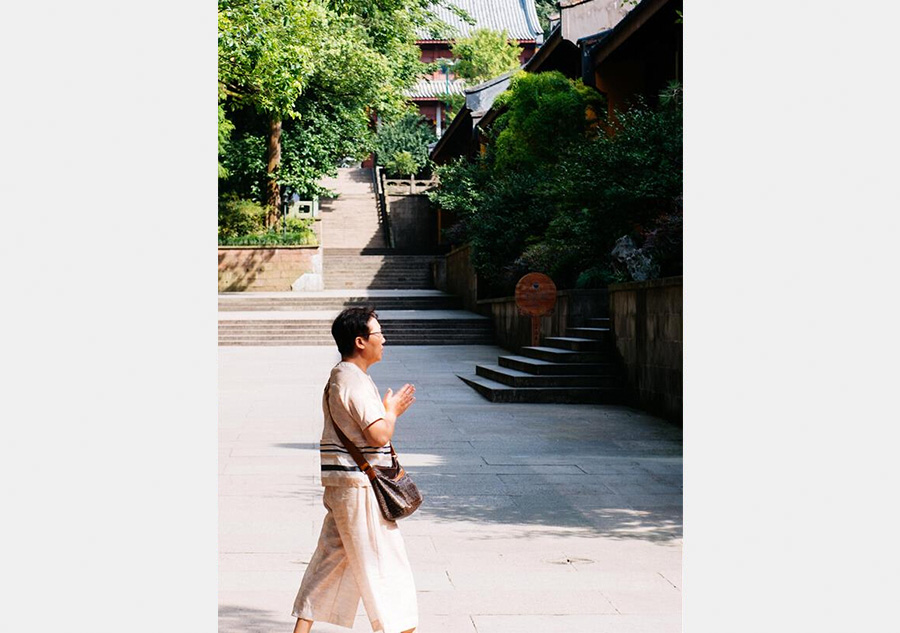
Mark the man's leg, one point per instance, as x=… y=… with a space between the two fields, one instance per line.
x=328 y=591
x=377 y=556
x=303 y=626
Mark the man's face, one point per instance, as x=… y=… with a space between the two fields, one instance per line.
x=375 y=344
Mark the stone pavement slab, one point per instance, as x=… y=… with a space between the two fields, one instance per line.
x=537 y=516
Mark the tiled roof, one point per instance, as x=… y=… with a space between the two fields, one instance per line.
x=517 y=17
x=435 y=88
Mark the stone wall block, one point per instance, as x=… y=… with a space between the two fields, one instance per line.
x=647 y=319
x=263 y=269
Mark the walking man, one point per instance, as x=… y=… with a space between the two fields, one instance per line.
x=360 y=554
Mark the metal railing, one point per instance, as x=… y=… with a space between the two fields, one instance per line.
x=384 y=212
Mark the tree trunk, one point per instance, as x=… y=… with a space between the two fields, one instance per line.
x=273 y=161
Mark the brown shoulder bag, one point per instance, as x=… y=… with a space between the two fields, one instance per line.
x=396 y=493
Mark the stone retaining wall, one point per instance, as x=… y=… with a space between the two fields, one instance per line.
x=456 y=275
x=413 y=222
x=263 y=268
x=645 y=318
x=573 y=308
x=647 y=324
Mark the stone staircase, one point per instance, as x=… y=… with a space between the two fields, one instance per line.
x=577 y=368
x=354 y=251
x=351 y=220
x=357 y=270
x=420 y=317
x=375 y=269
x=335 y=302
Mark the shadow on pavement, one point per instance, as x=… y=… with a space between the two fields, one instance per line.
x=244 y=620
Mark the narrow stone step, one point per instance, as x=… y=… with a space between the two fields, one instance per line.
x=544 y=367
x=378 y=271
x=596 y=333
x=556 y=354
x=515 y=378
x=369 y=251
x=498 y=392
x=578 y=344
x=333 y=267
x=386 y=285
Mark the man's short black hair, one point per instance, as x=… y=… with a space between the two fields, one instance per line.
x=349 y=324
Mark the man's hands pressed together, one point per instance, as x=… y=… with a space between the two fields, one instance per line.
x=395 y=404
x=398 y=403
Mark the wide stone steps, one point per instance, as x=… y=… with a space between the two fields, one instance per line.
x=418 y=331
x=346 y=268
x=377 y=282
x=516 y=378
x=383 y=259
x=336 y=304
x=497 y=392
x=547 y=368
x=351 y=219
x=579 y=367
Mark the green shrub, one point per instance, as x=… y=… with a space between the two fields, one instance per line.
x=485 y=54
x=406 y=140
x=401 y=163
x=553 y=194
x=242 y=223
x=239 y=217
x=272 y=237
x=299 y=225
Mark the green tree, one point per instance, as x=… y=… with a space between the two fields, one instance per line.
x=225 y=129
x=409 y=135
x=544 y=9
x=543 y=113
x=557 y=186
x=485 y=54
x=307 y=76
x=267 y=50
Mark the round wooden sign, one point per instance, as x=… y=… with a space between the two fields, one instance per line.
x=535 y=294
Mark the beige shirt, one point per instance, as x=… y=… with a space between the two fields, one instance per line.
x=354 y=404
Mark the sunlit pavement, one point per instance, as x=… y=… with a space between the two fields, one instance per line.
x=537 y=517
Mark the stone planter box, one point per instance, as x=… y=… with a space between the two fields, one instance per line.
x=263 y=268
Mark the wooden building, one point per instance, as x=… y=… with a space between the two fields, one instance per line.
x=623 y=54
x=517 y=17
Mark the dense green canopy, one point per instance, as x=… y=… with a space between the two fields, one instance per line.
x=558 y=185
x=301 y=81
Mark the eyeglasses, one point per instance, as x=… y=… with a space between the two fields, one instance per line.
x=378 y=333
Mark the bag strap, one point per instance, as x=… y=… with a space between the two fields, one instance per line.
x=350 y=446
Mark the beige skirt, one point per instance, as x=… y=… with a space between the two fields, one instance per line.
x=360 y=555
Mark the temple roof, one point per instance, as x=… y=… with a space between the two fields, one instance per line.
x=517 y=17
x=435 y=88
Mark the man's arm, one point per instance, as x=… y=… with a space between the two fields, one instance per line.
x=381 y=431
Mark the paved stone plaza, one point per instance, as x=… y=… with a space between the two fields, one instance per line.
x=537 y=517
